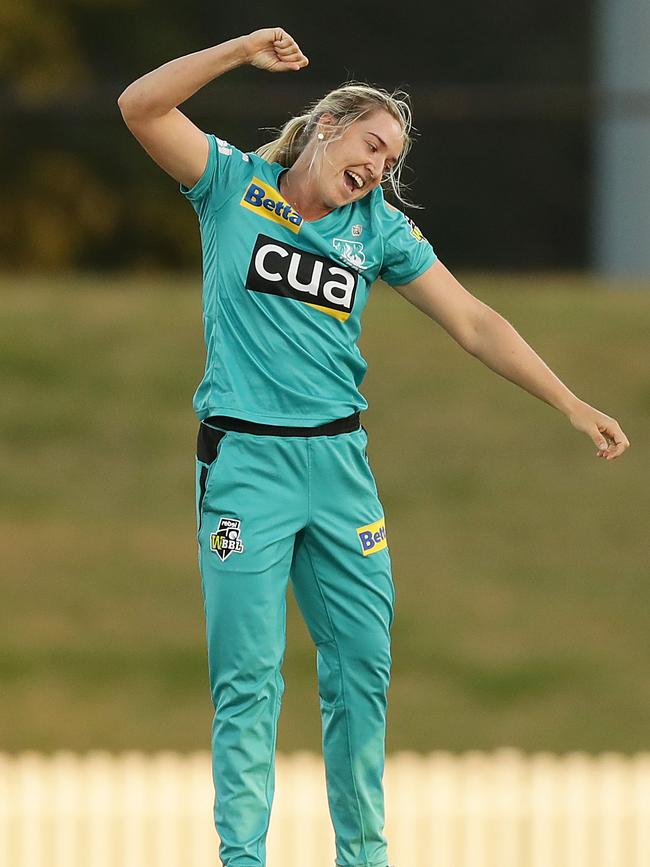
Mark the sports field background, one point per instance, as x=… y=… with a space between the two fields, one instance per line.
x=521 y=560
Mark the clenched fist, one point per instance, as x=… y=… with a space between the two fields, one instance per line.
x=274 y=50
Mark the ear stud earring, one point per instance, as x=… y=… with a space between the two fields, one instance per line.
x=320 y=136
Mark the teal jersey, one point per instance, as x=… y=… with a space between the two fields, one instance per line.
x=283 y=297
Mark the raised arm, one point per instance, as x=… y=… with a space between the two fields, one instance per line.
x=484 y=333
x=149 y=105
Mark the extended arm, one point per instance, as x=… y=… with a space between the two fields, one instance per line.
x=148 y=105
x=484 y=333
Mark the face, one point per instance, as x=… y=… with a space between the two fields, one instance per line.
x=354 y=164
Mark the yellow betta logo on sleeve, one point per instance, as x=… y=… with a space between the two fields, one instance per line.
x=372 y=537
x=415 y=231
x=265 y=201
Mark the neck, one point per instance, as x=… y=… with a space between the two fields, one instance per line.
x=297 y=188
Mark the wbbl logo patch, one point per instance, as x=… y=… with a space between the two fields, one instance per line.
x=372 y=537
x=277 y=268
x=226 y=540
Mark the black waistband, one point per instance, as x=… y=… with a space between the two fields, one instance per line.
x=330 y=428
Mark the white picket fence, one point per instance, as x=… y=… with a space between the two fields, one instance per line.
x=504 y=809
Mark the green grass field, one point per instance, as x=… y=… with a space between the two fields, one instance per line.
x=521 y=561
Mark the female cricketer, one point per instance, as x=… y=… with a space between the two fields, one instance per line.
x=293 y=237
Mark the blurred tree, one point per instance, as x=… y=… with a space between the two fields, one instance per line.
x=505 y=178
x=39 y=50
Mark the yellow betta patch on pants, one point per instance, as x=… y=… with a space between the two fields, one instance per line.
x=372 y=537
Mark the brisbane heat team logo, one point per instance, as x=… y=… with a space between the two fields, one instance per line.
x=227 y=540
x=351 y=251
x=277 y=268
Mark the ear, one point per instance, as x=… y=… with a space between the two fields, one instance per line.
x=326 y=124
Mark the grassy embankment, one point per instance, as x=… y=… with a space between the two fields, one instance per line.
x=521 y=560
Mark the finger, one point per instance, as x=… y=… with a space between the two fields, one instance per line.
x=297 y=62
x=287 y=67
x=286 y=47
x=616 y=448
x=294 y=57
x=606 y=433
x=619 y=447
x=282 y=39
x=604 y=445
x=606 y=450
x=291 y=53
x=600 y=440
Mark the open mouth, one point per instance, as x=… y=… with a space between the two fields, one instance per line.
x=352 y=181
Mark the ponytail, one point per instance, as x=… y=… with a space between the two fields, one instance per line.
x=287 y=147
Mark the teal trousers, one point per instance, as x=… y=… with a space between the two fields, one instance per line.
x=303 y=508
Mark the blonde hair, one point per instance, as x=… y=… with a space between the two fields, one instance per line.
x=347 y=104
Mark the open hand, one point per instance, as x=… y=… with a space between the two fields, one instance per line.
x=604 y=431
x=274 y=50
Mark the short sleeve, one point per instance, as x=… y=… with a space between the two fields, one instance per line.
x=407 y=253
x=225 y=171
